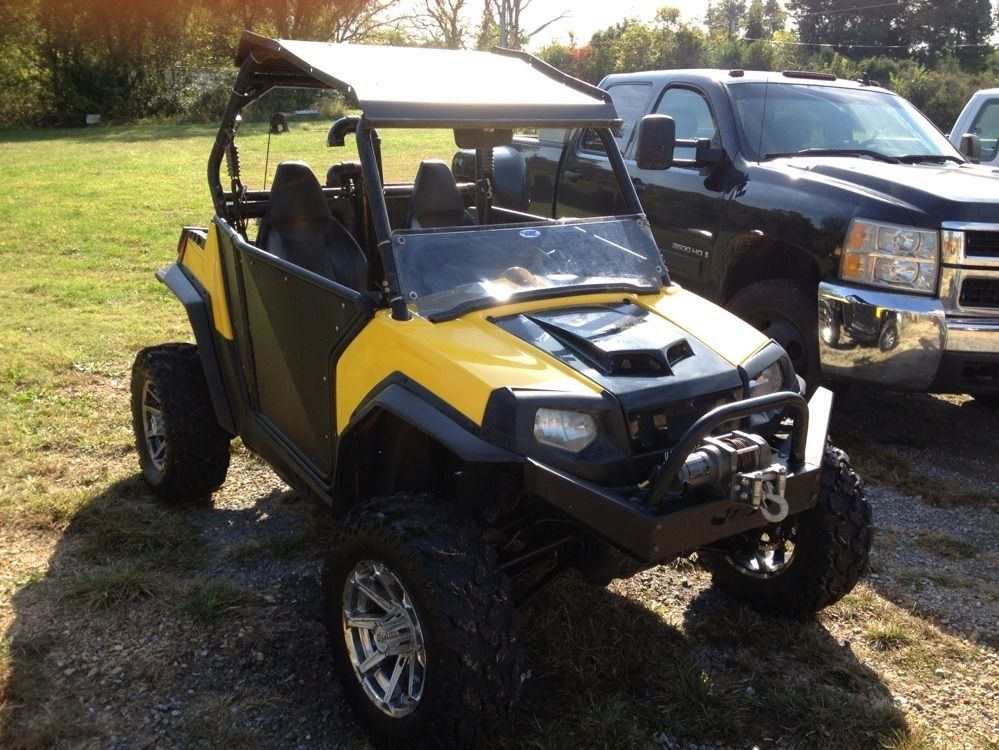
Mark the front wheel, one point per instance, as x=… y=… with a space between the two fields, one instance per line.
x=807 y=561
x=420 y=624
x=183 y=451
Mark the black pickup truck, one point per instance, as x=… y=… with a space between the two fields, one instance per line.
x=829 y=213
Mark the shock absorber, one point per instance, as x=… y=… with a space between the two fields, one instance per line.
x=485 y=166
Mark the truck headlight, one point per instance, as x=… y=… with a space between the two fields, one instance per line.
x=890 y=255
x=769 y=381
x=569 y=430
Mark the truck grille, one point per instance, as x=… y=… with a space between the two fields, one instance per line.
x=980 y=293
x=981 y=244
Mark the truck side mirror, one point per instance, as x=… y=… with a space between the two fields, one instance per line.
x=971 y=146
x=656 y=141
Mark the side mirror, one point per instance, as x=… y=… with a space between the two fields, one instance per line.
x=656 y=141
x=971 y=146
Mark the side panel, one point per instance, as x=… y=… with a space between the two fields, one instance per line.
x=205 y=265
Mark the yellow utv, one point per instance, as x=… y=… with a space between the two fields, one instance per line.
x=485 y=398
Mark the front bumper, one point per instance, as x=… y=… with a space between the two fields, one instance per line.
x=902 y=341
x=659 y=527
x=653 y=536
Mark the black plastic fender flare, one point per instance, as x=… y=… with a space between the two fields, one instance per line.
x=195 y=301
x=414 y=405
x=406 y=401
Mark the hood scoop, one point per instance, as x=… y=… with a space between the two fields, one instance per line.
x=620 y=340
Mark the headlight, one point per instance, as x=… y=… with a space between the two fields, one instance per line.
x=767 y=382
x=569 y=430
x=890 y=255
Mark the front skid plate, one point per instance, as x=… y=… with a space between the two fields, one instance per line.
x=649 y=536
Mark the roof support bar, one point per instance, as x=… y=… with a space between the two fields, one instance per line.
x=379 y=217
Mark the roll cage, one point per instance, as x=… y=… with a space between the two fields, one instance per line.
x=524 y=92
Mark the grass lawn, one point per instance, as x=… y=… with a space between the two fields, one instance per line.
x=87 y=218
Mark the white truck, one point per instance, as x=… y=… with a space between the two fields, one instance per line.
x=976 y=131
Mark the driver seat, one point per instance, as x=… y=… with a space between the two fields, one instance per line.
x=299 y=227
x=436 y=201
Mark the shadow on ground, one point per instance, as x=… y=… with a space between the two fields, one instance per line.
x=933 y=461
x=202 y=627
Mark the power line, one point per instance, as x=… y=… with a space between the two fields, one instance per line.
x=851 y=46
x=846 y=10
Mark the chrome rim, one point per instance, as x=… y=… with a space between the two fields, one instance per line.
x=152 y=424
x=769 y=553
x=384 y=638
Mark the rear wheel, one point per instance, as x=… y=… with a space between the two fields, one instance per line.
x=807 y=561
x=183 y=451
x=421 y=624
x=782 y=310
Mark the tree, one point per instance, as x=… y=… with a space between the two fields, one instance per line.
x=774 y=17
x=855 y=29
x=487 y=35
x=725 y=18
x=960 y=28
x=507 y=14
x=443 y=23
x=331 y=20
x=755 y=22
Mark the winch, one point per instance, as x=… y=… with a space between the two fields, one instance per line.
x=747 y=465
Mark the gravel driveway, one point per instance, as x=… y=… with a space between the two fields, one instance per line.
x=144 y=627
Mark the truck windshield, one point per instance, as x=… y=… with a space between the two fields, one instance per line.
x=446 y=272
x=781 y=119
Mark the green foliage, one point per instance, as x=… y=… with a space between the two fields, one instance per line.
x=926 y=30
x=65 y=59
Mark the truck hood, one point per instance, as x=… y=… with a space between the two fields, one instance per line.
x=930 y=193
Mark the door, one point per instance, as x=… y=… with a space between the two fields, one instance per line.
x=986 y=127
x=684 y=203
x=298 y=325
x=587 y=185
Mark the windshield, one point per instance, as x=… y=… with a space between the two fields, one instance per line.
x=787 y=119
x=444 y=273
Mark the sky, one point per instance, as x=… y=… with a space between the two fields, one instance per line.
x=588 y=16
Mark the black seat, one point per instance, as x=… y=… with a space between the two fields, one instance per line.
x=299 y=227
x=436 y=201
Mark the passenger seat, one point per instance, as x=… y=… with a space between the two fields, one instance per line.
x=436 y=201
x=298 y=226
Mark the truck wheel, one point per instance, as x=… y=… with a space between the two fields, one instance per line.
x=183 y=451
x=781 y=309
x=809 y=560
x=420 y=624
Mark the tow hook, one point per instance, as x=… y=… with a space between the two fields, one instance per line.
x=762 y=489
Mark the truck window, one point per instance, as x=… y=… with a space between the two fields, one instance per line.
x=630 y=101
x=781 y=119
x=692 y=115
x=986 y=127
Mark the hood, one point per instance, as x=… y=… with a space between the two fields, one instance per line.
x=930 y=193
x=629 y=350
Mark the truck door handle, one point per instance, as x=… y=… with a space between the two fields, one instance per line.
x=639 y=185
x=572 y=175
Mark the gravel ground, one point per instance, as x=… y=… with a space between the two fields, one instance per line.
x=147 y=675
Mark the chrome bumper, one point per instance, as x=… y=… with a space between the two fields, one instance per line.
x=901 y=341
